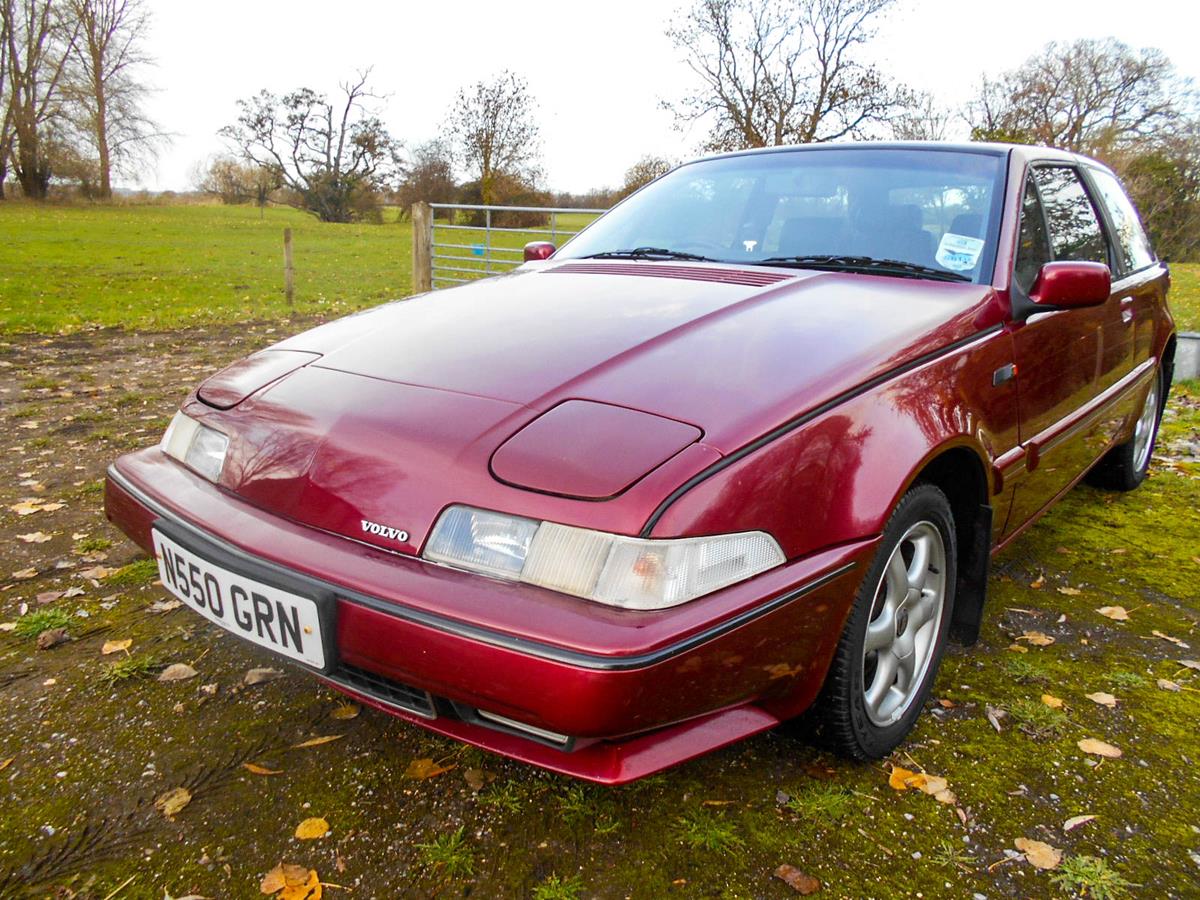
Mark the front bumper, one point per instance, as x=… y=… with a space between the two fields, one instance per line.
x=602 y=694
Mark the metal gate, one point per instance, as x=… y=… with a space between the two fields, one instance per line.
x=456 y=252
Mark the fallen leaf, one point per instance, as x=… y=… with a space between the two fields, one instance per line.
x=934 y=785
x=1167 y=685
x=34 y=537
x=1017 y=648
x=994 y=715
x=1070 y=591
x=1038 y=853
x=1037 y=584
x=946 y=704
x=49 y=596
x=1103 y=698
x=345 y=711
x=309 y=890
x=73 y=592
x=165 y=605
x=97 y=572
x=25 y=574
x=283 y=875
x=801 y=883
x=177 y=672
x=1099 y=748
x=256 y=769
x=1117 y=613
x=8 y=626
x=1174 y=640
x=52 y=637
x=475 y=778
x=1037 y=638
x=1190 y=664
x=32 y=505
x=1075 y=821
x=425 y=768
x=5 y=763
x=116 y=646
x=174 y=800
x=313 y=828
x=259 y=676
x=317 y=741
x=1051 y=701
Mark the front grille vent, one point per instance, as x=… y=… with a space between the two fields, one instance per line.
x=385 y=690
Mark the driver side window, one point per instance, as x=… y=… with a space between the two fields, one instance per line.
x=1033 y=248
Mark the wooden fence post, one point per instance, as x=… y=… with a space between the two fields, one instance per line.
x=288 y=286
x=422 y=247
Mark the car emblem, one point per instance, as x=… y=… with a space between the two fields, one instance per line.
x=385 y=531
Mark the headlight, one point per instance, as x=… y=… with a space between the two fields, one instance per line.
x=197 y=446
x=632 y=573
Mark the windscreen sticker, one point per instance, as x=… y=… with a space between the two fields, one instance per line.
x=958 y=252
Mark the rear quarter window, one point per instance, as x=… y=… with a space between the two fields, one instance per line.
x=1132 y=245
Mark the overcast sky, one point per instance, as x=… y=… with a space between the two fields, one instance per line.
x=598 y=69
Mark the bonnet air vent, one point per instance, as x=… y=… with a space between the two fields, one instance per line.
x=687 y=273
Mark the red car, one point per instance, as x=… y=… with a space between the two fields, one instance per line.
x=742 y=449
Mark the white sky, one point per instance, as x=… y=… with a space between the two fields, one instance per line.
x=598 y=69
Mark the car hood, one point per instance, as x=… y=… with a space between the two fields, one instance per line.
x=455 y=396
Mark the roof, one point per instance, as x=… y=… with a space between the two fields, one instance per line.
x=1027 y=151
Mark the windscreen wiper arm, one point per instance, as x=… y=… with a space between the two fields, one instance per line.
x=833 y=262
x=648 y=253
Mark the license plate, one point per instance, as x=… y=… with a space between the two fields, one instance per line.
x=279 y=620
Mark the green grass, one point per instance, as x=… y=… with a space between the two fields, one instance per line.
x=63 y=268
x=1092 y=877
x=34 y=623
x=143 y=571
x=707 y=833
x=449 y=854
x=1185 y=296
x=555 y=888
x=128 y=668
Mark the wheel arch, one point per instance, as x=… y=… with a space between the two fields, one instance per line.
x=959 y=473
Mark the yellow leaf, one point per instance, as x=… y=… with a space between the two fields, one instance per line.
x=346 y=711
x=317 y=741
x=116 y=646
x=1117 y=613
x=1075 y=821
x=1166 y=637
x=282 y=876
x=1037 y=585
x=309 y=890
x=255 y=769
x=1037 y=638
x=97 y=572
x=1051 y=701
x=1099 y=748
x=425 y=768
x=1070 y=591
x=5 y=763
x=312 y=828
x=1103 y=698
x=25 y=574
x=899 y=778
x=1017 y=648
x=1038 y=853
x=174 y=800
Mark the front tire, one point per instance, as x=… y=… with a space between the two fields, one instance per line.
x=889 y=653
x=1125 y=466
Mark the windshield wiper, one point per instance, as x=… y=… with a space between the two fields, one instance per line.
x=833 y=263
x=648 y=253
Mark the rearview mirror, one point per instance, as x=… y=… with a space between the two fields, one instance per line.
x=1064 y=285
x=536 y=250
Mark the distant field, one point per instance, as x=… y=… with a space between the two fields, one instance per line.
x=66 y=268
x=154 y=267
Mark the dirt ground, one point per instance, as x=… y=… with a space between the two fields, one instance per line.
x=116 y=784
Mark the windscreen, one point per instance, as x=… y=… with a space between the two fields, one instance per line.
x=931 y=208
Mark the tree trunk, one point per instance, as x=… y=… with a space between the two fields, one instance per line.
x=102 y=143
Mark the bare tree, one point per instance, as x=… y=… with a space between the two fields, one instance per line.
x=642 y=172
x=772 y=72
x=107 y=97
x=5 y=105
x=233 y=182
x=40 y=38
x=925 y=120
x=1090 y=96
x=493 y=128
x=335 y=160
x=429 y=176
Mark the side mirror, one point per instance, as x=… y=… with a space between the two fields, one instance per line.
x=536 y=250
x=1064 y=285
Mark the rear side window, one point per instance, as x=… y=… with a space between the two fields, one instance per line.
x=1075 y=233
x=1033 y=251
x=1133 y=247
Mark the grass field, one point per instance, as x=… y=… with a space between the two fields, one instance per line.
x=158 y=267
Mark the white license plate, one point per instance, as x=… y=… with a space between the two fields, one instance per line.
x=276 y=619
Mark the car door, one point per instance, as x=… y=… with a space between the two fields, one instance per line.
x=1061 y=357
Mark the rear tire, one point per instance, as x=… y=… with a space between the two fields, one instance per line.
x=1125 y=466
x=889 y=653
